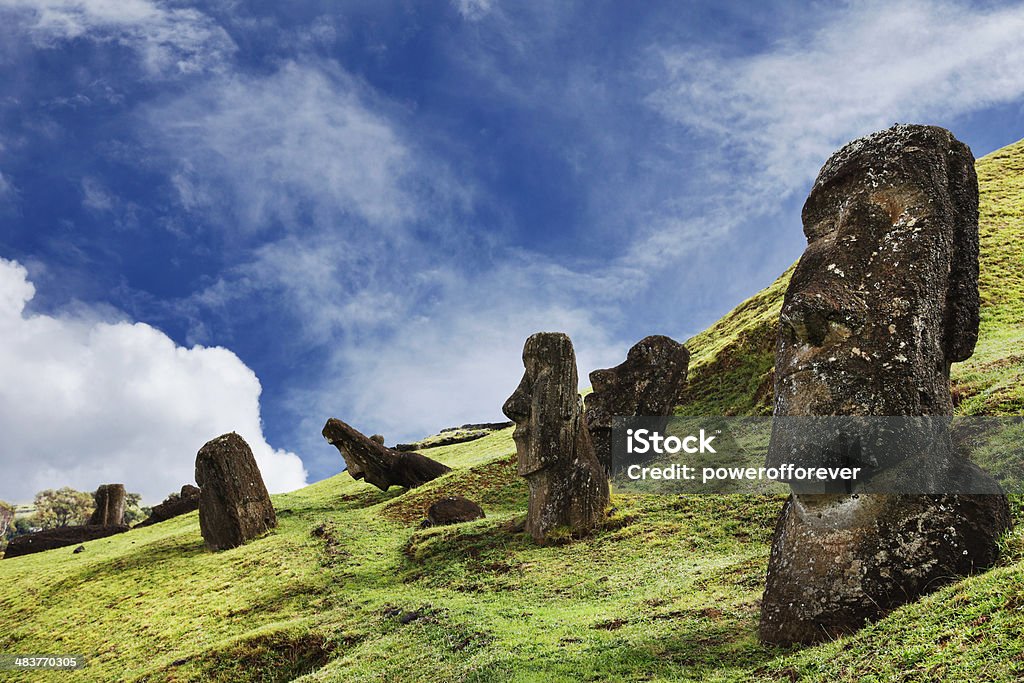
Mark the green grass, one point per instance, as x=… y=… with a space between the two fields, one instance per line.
x=351 y=588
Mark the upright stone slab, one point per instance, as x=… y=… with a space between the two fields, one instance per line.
x=110 y=501
x=883 y=300
x=647 y=383
x=234 y=506
x=568 y=486
x=369 y=460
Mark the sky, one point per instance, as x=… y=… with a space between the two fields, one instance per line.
x=253 y=216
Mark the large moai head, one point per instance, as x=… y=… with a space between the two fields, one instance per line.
x=568 y=487
x=110 y=502
x=885 y=296
x=883 y=300
x=368 y=459
x=546 y=406
x=648 y=383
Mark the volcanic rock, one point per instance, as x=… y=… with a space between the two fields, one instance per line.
x=453 y=510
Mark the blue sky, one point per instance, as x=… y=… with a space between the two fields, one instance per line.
x=255 y=216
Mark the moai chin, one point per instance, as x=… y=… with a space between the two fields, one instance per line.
x=648 y=383
x=883 y=300
x=568 y=486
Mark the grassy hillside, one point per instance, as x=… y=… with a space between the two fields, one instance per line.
x=349 y=588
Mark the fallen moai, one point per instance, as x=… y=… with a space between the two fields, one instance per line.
x=60 y=537
x=174 y=505
x=376 y=464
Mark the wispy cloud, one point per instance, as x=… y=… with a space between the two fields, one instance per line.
x=473 y=9
x=777 y=114
x=301 y=145
x=168 y=39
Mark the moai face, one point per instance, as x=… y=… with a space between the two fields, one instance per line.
x=647 y=383
x=885 y=296
x=546 y=405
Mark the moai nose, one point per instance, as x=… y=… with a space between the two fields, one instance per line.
x=517 y=406
x=809 y=319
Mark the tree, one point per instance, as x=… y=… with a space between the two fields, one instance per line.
x=63 y=507
x=133 y=510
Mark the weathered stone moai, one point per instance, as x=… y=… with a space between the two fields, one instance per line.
x=369 y=460
x=234 y=506
x=647 y=383
x=568 y=486
x=883 y=300
x=174 y=505
x=110 y=502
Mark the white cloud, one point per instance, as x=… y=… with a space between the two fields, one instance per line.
x=778 y=114
x=85 y=401
x=169 y=40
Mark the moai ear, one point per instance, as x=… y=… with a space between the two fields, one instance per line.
x=962 y=302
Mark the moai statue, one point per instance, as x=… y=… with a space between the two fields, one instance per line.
x=568 y=486
x=368 y=459
x=648 y=383
x=174 y=505
x=234 y=506
x=110 y=501
x=883 y=300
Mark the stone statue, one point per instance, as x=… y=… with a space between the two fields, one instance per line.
x=883 y=300
x=174 y=505
x=568 y=486
x=647 y=383
x=234 y=506
x=110 y=501
x=368 y=459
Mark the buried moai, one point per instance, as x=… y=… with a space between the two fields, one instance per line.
x=368 y=459
x=648 y=383
x=883 y=300
x=568 y=486
x=234 y=506
x=110 y=502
